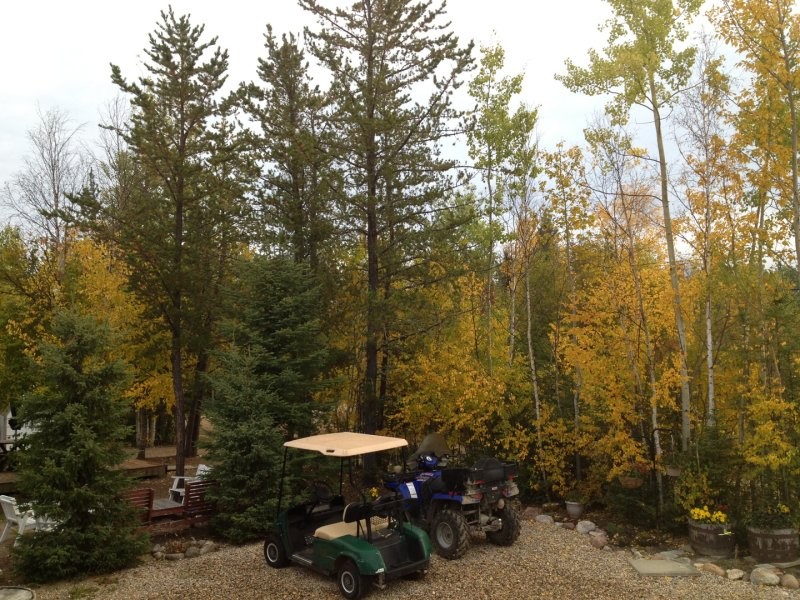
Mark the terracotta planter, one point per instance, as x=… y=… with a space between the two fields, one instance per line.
x=712 y=539
x=574 y=509
x=773 y=545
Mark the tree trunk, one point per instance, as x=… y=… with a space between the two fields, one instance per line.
x=537 y=403
x=370 y=406
x=673 y=271
x=180 y=417
x=141 y=432
x=711 y=417
x=195 y=408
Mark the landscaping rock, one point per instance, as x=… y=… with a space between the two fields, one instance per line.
x=158 y=548
x=760 y=576
x=568 y=525
x=585 y=526
x=531 y=513
x=790 y=582
x=735 y=574
x=598 y=541
x=158 y=555
x=547 y=519
x=192 y=551
x=207 y=547
x=174 y=556
x=770 y=568
x=714 y=570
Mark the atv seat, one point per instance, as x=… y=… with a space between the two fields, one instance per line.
x=357 y=520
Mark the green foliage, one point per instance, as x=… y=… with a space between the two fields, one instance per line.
x=69 y=469
x=299 y=183
x=264 y=392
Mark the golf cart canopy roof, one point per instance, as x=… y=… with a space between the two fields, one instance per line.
x=345 y=443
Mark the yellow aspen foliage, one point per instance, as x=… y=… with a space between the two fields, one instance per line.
x=769 y=443
x=446 y=387
x=100 y=289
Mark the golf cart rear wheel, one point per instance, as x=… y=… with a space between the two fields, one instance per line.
x=351 y=583
x=509 y=533
x=274 y=552
x=450 y=534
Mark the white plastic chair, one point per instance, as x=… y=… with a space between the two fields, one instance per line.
x=13 y=517
x=179 y=482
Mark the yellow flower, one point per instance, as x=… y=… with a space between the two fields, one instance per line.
x=704 y=515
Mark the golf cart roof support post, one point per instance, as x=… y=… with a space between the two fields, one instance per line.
x=341 y=477
x=280 y=487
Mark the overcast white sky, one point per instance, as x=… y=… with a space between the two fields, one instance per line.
x=56 y=54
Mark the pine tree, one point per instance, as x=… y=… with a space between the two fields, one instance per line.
x=384 y=56
x=176 y=226
x=296 y=197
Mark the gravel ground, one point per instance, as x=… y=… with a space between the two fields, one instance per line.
x=546 y=562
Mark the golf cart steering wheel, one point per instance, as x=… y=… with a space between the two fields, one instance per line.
x=321 y=493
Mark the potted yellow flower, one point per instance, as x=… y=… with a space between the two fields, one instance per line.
x=711 y=531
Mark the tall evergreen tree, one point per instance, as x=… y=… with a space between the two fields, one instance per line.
x=295 y=191
x=384 y=56
x=176 y=224
x=264 y=390
x=70 y=469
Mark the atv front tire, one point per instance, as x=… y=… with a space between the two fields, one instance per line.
x=450 y=534
x=510 y=530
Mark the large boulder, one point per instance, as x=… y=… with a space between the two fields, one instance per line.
x=762 y=576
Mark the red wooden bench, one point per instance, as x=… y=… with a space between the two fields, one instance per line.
x=196 y=508
x=164 y=516
x=142 y=501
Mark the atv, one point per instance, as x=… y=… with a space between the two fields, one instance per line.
x=363 y=543
x=451 y=502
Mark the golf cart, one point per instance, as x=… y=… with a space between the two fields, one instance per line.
x=363 y=542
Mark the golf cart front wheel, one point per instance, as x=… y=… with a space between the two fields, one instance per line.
x=274 y=552
x=350 y=581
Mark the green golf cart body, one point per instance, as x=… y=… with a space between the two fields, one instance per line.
x=365 y=543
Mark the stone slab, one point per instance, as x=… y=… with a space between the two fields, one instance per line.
x=787 y=565
x=662 y=568
x=16 y=593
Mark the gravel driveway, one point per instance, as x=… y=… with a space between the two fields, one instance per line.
x=546 y=562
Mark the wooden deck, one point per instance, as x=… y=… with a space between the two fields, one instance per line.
x=138 y=469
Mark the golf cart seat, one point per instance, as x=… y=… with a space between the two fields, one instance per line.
x=357 y=520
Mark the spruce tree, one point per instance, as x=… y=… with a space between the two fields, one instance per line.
x=69 y=470
x=264 y=391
